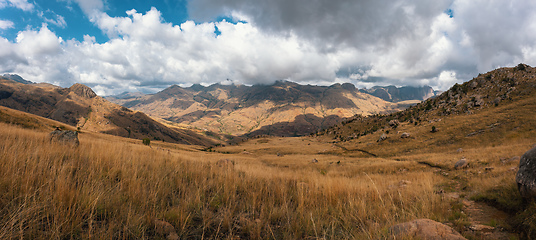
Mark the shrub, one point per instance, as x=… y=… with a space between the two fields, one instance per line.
x=146 y=141
x=520 y=67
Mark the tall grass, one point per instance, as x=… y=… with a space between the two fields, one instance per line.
x=108 y=189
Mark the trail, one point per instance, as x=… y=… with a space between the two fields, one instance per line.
x=483 y=221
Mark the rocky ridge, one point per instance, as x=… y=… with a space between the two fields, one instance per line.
x=281 y=109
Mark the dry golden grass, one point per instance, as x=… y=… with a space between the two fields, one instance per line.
x=109 y=188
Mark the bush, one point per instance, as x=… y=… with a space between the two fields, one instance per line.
x=520 y=67
x=146 y=141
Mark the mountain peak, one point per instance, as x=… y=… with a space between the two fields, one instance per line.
x=16 y=78
x=82 y=90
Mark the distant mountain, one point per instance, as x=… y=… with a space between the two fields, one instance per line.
x=284 y=108
x=16 y=78
x=398 y=94
x=80 y=107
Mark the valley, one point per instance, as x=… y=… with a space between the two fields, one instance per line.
x=282 y=109
x=352 y=180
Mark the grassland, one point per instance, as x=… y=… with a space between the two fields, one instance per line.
x=114 y=188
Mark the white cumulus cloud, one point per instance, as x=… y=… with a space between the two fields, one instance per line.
x=5 y=24
x=21 y=4
x=314 y=41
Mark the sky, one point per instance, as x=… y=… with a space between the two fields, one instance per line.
x=115 y=46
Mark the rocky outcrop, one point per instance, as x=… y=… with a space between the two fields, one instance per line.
x=526 y=175
x=424 y=229
x=82 y=90
x=68 y=137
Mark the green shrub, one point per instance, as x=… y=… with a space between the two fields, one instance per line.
x=146 y=141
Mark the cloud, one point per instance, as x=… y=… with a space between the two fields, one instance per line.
x=146 y=53
x=21 y=4
x=56 y=19
x=90 y=7
x=6 y=24
x=363 y=42
x=406 y=41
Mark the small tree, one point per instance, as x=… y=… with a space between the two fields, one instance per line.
x=146 y=141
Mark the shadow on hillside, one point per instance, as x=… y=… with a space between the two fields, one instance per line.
x=302 y=125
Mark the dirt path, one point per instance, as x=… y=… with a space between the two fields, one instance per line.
x=486 y=222
x=482 y=221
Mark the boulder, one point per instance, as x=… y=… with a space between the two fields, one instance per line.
x=462 y=163
x=424 y=229
x=68 y=137
x=526 y=175
x=382 y=137
x=405 y=135
x=394 y=123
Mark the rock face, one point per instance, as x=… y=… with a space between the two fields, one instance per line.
x=424 y=229
x=526 y=175
x=66 y=137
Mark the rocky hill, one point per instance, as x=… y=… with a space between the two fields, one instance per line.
x=397 y=94
x=489 y=109
x=80 y=107
x=281 y=109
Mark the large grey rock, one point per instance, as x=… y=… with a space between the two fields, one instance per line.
x=424 y=229
x=382 y=137
x=462 y=163
x=405 y=135
x=65 y=137
x=394 y=123
x=526 y=175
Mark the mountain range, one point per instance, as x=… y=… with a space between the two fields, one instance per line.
x=397 y=94
x=282 y=109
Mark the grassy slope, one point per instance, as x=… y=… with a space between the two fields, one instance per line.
x=114 y=189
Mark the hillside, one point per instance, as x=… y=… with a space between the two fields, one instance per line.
x=490 y=109
x=81 y=108
x=281 y=109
